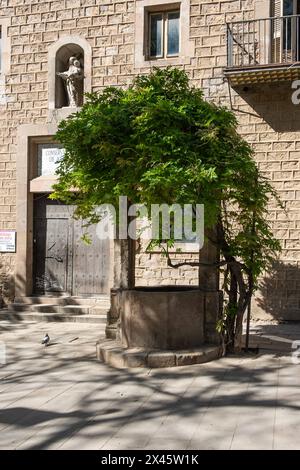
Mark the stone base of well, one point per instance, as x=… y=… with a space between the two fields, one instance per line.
x=162 y=326
x=113 y=354
x=168 y=318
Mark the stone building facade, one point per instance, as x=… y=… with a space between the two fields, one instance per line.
x=112 y=36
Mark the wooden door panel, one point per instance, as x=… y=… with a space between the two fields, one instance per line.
x=51 y=247
x=90 y=262
x=56 y=255
x=51 y=230
x=62 y=261
x=51 y=255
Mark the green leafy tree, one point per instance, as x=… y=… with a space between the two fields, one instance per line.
x=159 y=142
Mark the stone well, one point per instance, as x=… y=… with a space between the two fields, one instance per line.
x=163 y=318
x=164 y=326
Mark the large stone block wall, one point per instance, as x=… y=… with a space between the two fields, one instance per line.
x=267 y=119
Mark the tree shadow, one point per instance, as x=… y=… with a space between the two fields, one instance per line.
x=89 y=401
x=279 y=292
x=7 y=290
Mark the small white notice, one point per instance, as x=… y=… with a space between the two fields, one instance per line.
x=49 y=156
x=7 y=241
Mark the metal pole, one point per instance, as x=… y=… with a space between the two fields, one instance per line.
x=251 y=292
x=249 y=315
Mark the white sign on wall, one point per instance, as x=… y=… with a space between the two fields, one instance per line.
x=7 y=241
x=49 y=156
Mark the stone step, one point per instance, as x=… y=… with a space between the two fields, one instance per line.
x=44 y=299
x=20 y=307
x=274 y=344
x=112 y=353
x=51 y=317
x=99 y=310
x=61 y=309
x=101 y=301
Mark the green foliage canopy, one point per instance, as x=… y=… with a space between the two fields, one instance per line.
x=159 y=141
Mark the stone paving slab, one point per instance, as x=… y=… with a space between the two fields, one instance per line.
x=61 y=397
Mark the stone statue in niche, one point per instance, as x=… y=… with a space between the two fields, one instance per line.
x=73 y=78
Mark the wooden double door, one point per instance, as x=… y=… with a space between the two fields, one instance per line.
x=63 y=262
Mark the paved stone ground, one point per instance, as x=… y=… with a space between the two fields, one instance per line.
x=60 y=397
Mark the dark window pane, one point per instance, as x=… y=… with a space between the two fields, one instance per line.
x=156 y=35
x=173 y=33
x=288 y=6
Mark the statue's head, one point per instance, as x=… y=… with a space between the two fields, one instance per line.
x=76 y=63
x=71 y=60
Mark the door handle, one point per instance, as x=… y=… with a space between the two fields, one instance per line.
x=57 y=258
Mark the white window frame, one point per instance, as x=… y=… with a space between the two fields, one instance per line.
x=165 y=28
x=141 y=50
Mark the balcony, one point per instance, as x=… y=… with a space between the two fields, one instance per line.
x=263 y=51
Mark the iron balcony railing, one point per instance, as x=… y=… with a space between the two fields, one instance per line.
x=267 y=41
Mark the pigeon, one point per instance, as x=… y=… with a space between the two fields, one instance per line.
x=46 y=340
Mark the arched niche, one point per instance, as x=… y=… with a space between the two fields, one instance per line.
x=63 y=56
x=59 y=56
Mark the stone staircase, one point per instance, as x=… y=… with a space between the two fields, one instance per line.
x=58 y=309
